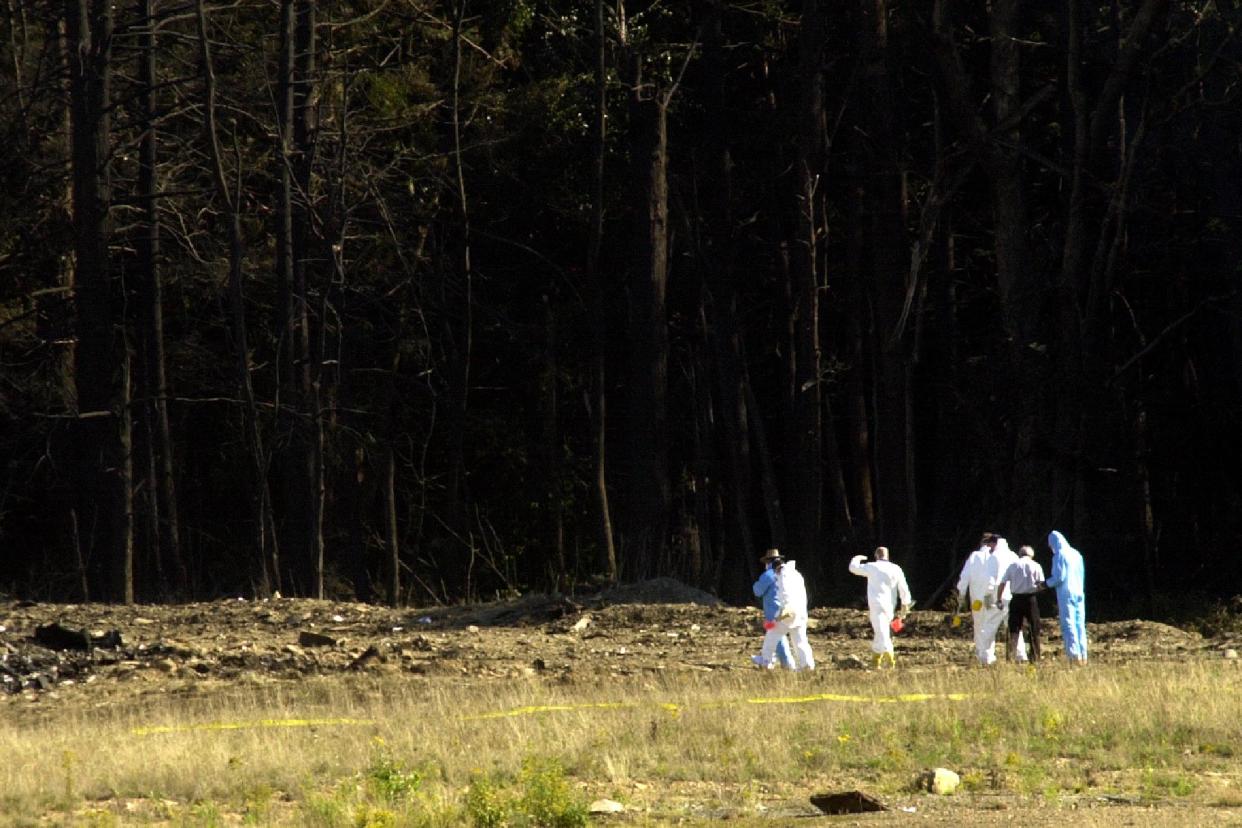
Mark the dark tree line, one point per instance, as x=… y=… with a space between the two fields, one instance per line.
x=417 y=301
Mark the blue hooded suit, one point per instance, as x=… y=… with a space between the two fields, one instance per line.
x=1067 y=578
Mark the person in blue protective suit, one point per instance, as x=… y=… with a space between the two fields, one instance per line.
x=765 y=588
x=1066 y=577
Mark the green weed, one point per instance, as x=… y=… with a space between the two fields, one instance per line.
x=391 y=779
x=547 y=797
x=540 y=796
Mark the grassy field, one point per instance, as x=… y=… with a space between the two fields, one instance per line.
x=749 y=747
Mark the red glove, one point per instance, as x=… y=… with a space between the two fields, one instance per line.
x=769 y=625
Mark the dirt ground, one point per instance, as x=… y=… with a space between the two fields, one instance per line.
x=658 y=626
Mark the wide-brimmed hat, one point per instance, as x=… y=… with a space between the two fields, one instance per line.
x=771 y=555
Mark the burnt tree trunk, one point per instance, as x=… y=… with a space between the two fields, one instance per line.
x=804 y=438
x=460 y=331
x=648 y=489
x=163 y=495
x=717 y=249
x=268 y=559
x=307 y=336
x=101 y=365
x=607 y=555
x=886 y=246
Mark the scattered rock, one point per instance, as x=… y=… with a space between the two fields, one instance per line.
x=847 y=802
x=56 y=637
x=581 y=624
x=941 y=781
x=313 y=639
x=1231 y=654
x=369 y=656
x=849 y=662
x=110 y=639
x=605 y=806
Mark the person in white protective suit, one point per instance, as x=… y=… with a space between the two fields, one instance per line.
x=885 y=584
x=1001 y=559
x=791 y=618
x=978 y=585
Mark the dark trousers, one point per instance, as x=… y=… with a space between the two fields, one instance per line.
x=1024 y=609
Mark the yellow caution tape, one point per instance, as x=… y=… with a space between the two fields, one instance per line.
x=148 y=731
x=669 y=707
x=548 y=708
x=905 y=697
x=675 y=709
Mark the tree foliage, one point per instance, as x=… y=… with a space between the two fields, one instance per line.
x=872 y=272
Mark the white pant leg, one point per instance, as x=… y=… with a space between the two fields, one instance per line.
x=1020 y=655
x=993 y=619
x=804 y=659
x=883 y=640
x=987 y=622
x=977 y=625
x=772 y=637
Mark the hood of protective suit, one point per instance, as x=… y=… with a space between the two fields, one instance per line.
x=1067 y=575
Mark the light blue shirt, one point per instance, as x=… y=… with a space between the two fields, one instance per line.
x=765 y=588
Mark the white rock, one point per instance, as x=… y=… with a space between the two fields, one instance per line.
x=1231 y=653
x=581 y=624
x=942 y=781
x=606 y=806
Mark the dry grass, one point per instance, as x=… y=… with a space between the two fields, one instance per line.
x=697 y=743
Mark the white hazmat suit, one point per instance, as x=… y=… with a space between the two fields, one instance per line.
x=978 y=582
x=885 y=584
x=791 y=619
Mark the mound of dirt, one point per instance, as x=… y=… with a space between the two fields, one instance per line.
x=659 y=591
x=96 y=653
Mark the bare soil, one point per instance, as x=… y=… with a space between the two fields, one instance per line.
x=659 y=626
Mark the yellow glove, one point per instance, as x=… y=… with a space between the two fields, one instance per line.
x=976 y=605
x=957 y=621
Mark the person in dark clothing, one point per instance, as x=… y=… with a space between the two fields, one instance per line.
x=1025 y=578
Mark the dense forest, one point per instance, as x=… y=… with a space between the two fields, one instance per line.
x=432 y=300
